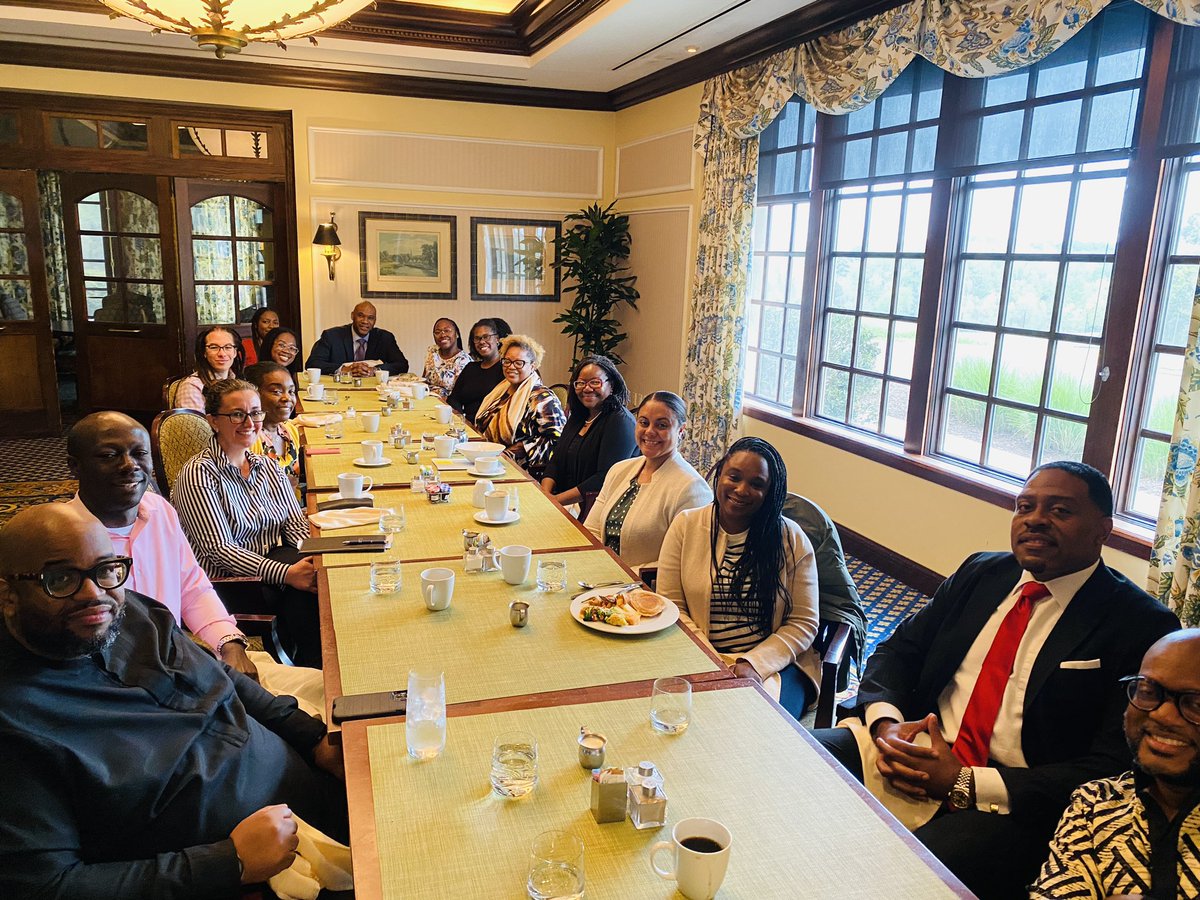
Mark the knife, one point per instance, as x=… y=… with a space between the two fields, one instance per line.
x=605 y=591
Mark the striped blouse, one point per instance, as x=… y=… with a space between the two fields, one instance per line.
x=234 y=522
x=729 y=630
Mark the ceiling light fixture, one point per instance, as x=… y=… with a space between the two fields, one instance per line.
x=693 y=49
x=226 y=26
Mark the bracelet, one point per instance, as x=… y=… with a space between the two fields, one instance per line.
x=232 y=639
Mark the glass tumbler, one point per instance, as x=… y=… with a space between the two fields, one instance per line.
x=556 y=867
x=551 y=575
x=393 y=521
x=385 y=577
x=514 y=764
x=671 y=705
x=425 y=721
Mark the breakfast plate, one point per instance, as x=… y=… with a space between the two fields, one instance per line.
x=648 y=625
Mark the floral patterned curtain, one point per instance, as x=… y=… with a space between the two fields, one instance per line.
x=836 y=73
x=54 y=249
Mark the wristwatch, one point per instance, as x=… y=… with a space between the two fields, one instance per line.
x=960 y=795
x=232 y=639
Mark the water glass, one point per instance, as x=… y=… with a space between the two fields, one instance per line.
x=514 y=764
x=331 y=397
x=425 y=721
x=552 y=575
x=385 y=577
x=671 y=705
x=393 y=521
x=556 y=867
x=427 y=438
x=333 y=431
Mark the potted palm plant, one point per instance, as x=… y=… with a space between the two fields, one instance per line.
x=591 y=254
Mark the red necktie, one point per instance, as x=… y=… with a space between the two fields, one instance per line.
x=979 y=720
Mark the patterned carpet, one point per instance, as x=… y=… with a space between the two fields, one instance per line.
x=33 y=471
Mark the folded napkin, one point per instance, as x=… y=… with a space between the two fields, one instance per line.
x=451 y=465
x=332 y=519
x=321 y=862
x=317 y=420
x=323 y=451
x=911 y=811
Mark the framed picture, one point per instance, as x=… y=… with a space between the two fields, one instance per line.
x=513 y=259
x=408 y=256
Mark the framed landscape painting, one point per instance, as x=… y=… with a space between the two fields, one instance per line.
x=513 y=259
x=408 y=256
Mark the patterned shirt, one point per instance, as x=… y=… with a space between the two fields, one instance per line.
x=442 y=373
x=1110 y=840
x=729 y=629
x=615 y=520
x=288 y=458
x=232 y=521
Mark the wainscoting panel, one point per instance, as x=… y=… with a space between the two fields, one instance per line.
x=656 y=165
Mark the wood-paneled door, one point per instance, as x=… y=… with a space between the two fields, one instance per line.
x=120 y=232
x=28 y=382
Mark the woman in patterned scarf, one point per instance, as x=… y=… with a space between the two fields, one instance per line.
x=521 y=412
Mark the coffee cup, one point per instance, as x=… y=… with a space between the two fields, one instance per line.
x=489 y=465
x=495 y=504
x=420 y=390
x=314 y=375
x=514 y=563
x=444 y=413
x=315 y=392
x=370 y=422
x=482 y=486
x=437 y=588
x=351 y=485
x=372 y=451
x=700 y=848
x=444 y=444
x=383 y=375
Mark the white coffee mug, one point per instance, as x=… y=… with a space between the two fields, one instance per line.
x=489 y=465
x=514 y=563
x=496 y=505
x=370 y=422
x=700 y=848
x=482 y=486
x=444 y=444
x=437 y=587
x=383 y=375
x=444 y=413
x=314 y=375
x=352 y=485
x=315 y=392
x=420 y=390
x=372 y=451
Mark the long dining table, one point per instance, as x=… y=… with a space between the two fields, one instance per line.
x=433 y=829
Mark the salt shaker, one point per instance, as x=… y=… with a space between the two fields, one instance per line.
x=647 y=802
x=472 y=559
x=351 y=412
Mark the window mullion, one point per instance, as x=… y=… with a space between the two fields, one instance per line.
x=925 y=357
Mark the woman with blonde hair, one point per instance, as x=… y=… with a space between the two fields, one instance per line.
x=521 y=412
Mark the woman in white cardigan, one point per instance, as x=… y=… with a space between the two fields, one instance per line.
x=747 y=576
x=642 y=495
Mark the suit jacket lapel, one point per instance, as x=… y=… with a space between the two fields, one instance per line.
x=1083 y=615
x=988 y=594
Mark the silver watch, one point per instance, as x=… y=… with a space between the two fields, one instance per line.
x=960 y=795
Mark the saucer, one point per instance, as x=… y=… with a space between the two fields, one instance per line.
x=482 y=518
x=366 y=495
x=474 y=471
x=361 y=461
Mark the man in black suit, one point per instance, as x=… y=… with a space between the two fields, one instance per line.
x=351 y=345
x=1001 y=696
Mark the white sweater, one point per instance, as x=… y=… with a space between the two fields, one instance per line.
x=676 y=486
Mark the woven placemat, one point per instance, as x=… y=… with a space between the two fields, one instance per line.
x=416 y=421
x=359 y=398
x=798 y=829
x=379 y=638
x=435 y=529
x=323 y=469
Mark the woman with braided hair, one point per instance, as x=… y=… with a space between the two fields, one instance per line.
x=747 y=576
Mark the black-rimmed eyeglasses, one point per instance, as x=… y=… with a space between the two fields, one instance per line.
x=237 y=417
x=515 y=363
x=1148 y=695
x=63 y=582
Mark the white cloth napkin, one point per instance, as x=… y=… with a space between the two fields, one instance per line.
x=333 y=519
x=373 y=363
x=317 y=420
x=321 y=862
x=911 y=812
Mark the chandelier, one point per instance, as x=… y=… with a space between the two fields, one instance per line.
x=228 y=25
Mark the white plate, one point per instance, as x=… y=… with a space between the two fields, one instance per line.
x=478 y=474
x=338 y=496
x=482 y=518
x=665 y=619
x=361 y=461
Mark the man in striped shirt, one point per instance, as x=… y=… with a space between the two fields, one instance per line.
x=1139 y=834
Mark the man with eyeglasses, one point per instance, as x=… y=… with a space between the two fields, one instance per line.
x=1139 y=834
x=134 y=763
x=358 y=347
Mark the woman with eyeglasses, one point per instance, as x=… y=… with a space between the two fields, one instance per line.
x=598 y=433
x=484 y=372
x=242 y=518
x=262 y=323
x=282 y=345
x=445 y=359
x=521 y=412
x=279 y=439
x=747 y=576
x=217 y=358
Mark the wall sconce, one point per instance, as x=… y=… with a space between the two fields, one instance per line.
x=327 y=239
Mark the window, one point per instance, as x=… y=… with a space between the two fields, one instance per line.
x=98 y=134
x=206 y=140
x=965 y=241
x=233 y=258
x=122 y=257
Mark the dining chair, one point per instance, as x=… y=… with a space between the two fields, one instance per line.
x=169 y=389
x=561 y=391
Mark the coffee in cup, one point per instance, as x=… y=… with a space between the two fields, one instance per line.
x=701 y=851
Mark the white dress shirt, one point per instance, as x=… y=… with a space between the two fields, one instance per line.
x=1005 y=748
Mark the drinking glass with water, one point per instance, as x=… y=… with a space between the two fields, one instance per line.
x=425 y=721
x=551 y=575
x=556 y=867
x=671 y=705
x=385 y=577
x=393 y=521
x=514 y=764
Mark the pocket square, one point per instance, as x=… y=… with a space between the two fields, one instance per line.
x=1079 y=664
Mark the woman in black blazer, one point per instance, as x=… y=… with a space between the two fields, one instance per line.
x=598 y=433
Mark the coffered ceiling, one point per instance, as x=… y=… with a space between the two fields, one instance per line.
x=584 y=53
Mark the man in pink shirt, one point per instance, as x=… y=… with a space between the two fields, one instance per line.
x=110 y=455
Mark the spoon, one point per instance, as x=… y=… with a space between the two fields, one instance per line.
x=588 y=586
